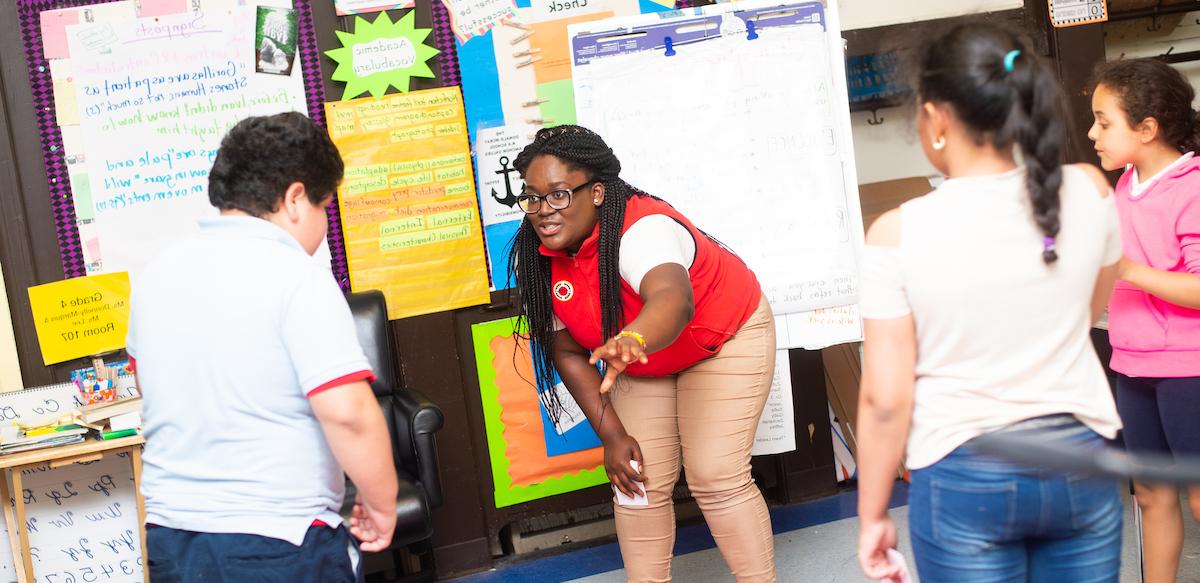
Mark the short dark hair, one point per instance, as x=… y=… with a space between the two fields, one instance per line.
x=1152 y=88
x=262 y=155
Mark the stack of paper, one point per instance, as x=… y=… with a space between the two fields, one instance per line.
x=13 y=439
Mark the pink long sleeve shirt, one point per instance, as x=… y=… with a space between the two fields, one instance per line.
x=1160 y=227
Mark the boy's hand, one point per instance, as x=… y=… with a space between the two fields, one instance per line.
x=373 y=528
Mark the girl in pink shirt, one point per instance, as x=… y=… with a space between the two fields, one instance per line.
x=1144 y=123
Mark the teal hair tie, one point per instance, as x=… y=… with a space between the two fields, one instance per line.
x=1010 y=59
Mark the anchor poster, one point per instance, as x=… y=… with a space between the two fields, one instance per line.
x=407 y=202
x=499 y=182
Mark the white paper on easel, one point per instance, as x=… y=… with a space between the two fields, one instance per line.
x=817 y=329
x=82 y=518
x=763 y=161
x=82 y=521
x=777 y=427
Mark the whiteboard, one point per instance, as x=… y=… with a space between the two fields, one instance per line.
x=82 y=518
x=750 y=139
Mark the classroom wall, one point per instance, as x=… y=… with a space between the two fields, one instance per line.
x=10 y=369
x=890 y=150
x=868 y=13
x=1179 y=33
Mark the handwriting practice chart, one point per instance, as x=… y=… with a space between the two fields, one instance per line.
x=83 y=523
x=409 y=213
x=761 y=158
x=82 y=518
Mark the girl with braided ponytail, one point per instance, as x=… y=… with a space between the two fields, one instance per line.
x=610 y=275
x=1145 y=124
x=978 y=300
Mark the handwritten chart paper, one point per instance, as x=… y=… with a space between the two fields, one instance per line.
x=82 y=518
x=764 y=161
x=409 y=214
x=155 y=98
x=83 y=523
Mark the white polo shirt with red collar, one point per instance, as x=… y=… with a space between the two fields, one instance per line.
x=232 y=330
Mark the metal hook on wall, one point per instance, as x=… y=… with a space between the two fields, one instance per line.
x=1154 y=24
x=875 y=119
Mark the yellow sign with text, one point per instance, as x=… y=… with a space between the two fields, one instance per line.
x=409 y=213
x=82 y=316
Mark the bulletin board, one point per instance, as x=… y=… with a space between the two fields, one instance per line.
x=516 y=78
x=52 y=140
x=54 y=151
x=529 y=459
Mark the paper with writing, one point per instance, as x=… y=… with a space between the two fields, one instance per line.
x=409 y=213
x=761 y=158
x=776 y=431
x=499 y=184
x=82 y=518
x=156 y=97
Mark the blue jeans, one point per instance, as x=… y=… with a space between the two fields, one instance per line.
x=980 y=519
x=182 y=556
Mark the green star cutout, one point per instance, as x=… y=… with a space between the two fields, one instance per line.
x=381 y=53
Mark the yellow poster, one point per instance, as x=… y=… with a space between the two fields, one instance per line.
x=81 y=316
x=409 y=214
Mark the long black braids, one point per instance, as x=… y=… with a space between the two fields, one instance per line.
x=580 y=148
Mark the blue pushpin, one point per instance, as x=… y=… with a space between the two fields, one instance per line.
x=751 y=34
x=670 y=46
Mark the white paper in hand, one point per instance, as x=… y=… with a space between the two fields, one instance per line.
x=897 y=559
x=639 y=500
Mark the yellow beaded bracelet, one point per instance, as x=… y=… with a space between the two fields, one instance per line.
x=630 y=334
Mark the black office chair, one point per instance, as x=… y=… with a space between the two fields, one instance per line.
x=412 y=421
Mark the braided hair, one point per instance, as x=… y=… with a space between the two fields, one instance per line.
x=1004 y=94
x=580 y=149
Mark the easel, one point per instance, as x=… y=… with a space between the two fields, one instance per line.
x=92 y=449
x=88 y=451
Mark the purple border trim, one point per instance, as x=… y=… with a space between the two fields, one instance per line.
x=61 y=202
x=443 y=35
x=42 y=88
x=314 y=90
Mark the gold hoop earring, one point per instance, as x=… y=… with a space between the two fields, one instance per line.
x=939 y=143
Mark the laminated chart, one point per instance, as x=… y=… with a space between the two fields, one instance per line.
x=409 y=214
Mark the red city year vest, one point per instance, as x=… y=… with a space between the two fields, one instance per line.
x=724 y=290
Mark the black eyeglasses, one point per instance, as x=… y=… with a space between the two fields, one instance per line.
x=558 y=199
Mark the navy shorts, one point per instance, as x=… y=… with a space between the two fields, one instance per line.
x=1160 y=415
x=182 y=556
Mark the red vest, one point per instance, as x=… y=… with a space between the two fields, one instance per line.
x=724 y=290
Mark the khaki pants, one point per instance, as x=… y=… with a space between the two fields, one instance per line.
x=704 y=417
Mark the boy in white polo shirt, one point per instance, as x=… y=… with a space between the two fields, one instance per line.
x=256 y=389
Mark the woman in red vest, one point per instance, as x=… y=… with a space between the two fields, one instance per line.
x=609 y=274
